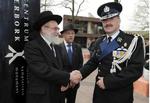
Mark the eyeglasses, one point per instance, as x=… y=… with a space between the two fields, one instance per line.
x=52 y=28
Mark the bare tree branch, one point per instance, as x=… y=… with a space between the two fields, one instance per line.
x=66 y=4
x=45 y=4
x=69 y=1
x=146 y=3
x=141 y=19
x=79 y=7
x=49 y=3
x=68 y=8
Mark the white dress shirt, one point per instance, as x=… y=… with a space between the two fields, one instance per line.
x=114 y=35
x=66 y=45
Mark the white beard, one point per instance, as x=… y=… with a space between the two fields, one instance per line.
x=53 y=39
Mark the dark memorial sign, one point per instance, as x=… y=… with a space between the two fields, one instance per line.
x=16 y=19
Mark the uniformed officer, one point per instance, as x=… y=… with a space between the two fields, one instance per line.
x=119 y=58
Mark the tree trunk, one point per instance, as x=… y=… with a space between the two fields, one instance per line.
x=45 y=5
x=116 y=1
x=73 y=20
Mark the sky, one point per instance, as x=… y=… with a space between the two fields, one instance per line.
x=91 y=6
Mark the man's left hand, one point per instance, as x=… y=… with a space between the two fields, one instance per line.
x=100 y=82
x=63 y=88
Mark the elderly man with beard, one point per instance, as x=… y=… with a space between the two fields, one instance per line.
x=45 y=68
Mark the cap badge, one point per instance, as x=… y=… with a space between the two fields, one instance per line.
x=106 y=9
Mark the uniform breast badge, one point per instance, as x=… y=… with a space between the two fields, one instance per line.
x=120 y=52
x=117 y=55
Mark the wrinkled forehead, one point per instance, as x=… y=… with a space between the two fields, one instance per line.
x=51 y=23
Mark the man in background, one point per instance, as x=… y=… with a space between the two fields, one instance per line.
x=72 y=59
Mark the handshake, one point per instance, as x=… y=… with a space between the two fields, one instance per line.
x=75 y=78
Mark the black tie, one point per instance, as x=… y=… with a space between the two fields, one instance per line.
x=109 y=39
x=52 y=48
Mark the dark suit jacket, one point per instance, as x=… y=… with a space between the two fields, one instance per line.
x=45 y=75
x=119 y=86
x=77 y=58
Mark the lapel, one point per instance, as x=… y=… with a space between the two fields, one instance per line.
x=47 y=52
x=74 y=53
x=58 y=55
x=120 y=39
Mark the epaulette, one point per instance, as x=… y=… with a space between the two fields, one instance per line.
x=129 y=34
x=133 y=34
x=136 y=35
x=95 y=46
x=100 y=38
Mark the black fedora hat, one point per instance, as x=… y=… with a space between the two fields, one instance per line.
x=44 y=17
x=109 y=10
x=69 y=27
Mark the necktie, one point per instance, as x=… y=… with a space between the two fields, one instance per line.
x=109 y=39
x=69 y=53
x=53 y=49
